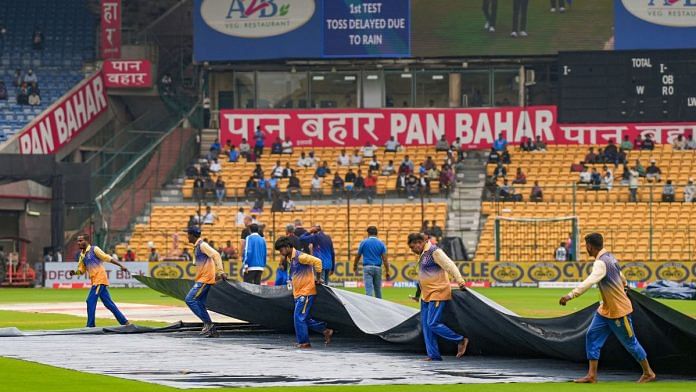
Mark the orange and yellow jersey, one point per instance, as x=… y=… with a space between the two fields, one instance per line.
x=302 y=269
x=606 y=273
x=433 y=267
x=208 y=262
x=92 y=261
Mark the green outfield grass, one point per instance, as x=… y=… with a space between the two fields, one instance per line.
x=21 y=376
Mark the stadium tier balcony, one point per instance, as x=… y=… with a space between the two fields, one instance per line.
x=68 y=30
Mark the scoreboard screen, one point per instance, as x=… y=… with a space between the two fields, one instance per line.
x=627 y=86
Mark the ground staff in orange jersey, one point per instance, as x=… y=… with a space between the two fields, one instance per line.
x=208 y=269
x=91 y=261
x=614 y=312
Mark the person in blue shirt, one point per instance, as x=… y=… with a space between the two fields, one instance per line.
x=254 y=257
x=322 y=247
x=500 y=144
x=259 y=144
x=374 y=255
x=234 y=154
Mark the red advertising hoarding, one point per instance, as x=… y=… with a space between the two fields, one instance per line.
x=476 y=128
x=66 y=118
x=127 y=73
x=110 y=29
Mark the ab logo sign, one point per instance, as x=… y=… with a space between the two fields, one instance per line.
x=673 y=13
x=256 y=18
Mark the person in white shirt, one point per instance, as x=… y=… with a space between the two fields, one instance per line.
x=608 y=180
x=240 y=217
x=244 y=148
x=391 y=145
x=287 y=147
x=585 y=177
x=209 y=218
x=215 y=166
x=355 y=159
x=288 y=205
x=343 y=159
x=689 y=191
x=316 y=186
x=389 y=169
x=368 y=150
x=277 y=171
x=311 y=160
x=374 y=164
x=561 y=253
x=303 y=161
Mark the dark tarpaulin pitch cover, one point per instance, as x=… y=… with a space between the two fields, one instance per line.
x=668 y=336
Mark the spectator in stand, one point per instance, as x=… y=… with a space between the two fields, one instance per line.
x=433 y=173
x=185 y=255
x=570 y=247
x=507 y=192
x=233 y=155
x=401 y=182
x=244 y=148
x=537 y=194
x=288 y=171
x=303 y=161
x=585 y=177
x=3 y=91
x=457 y=147
x=277 y=171
x=442 y=144
x=595 y=179
x=561 y=253
x=411 y=186
x=198 y=188
x=370 y=186
x=639 y=168
x=679 y=143
x=130 y=255
x=638 y=143
x=337 y=186
x=210 y=218
x=316 y=189
x=258 y=172
x=626 y=144
x=294 y=186
x=408 y=164
x=590 y=157
x=350 y=176
x=272 y=188
x=259 y=142
x=528 y=145
x=166 y=84
x=436 y=231
x=239 y=220
x=220 y=190
x=368 y=150
x=611 y=153
x=539 y=144
x=446 y=179
x=648 y=143
x=208 y=186
x=668 y=192
x=34 y=99
x=227 y=147
x=421 y=169
x=505 y=156
x=343 y=159
x=263 y=188
x=520 y=177
x=429 y=163
x=311 y=160
x=154 y=256
x=254 y=256
x=355 y=159
x=358 y=184
x=250 y=189
x=215 y=146
x=690 y=143
x=608 y=180
x=389 y=169
x=215 y=166
x=391 y=145
x=493 y=156
x=323 y=170
x=373 y=165
x=30 y=77
x=287 y=147
x=277 y=147
x=689 y=191
x=500 y=143
x=23 y=95
x=192 y=221
x=288 y=205
x=653 y=172
x=17 y=79
x=633 y=185
x=500 y=171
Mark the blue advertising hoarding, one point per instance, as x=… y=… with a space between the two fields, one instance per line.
x=655 y=24
x=237 y=30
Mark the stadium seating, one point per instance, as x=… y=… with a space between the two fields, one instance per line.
x=395 y=222
x=236 y=174
x=69 y=40
x=625 y=225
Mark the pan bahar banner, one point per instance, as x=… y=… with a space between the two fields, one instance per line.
x=476 y=128
x=498 y=273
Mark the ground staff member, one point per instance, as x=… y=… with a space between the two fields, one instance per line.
x=433 y=267
x=208 y=269
x=374 y=254
x=303 y=268
x=91 y=260
x=614 y=312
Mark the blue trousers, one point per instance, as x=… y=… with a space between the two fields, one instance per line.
x=196 y=298
x=431 y=313
x=372 y=277
x=281 y=277
x=97 y=292
x=303 y=321
x=622 y=328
